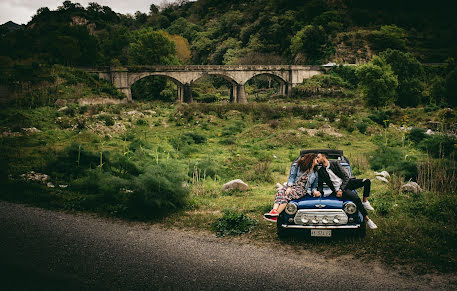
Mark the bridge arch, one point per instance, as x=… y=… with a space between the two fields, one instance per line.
x=283 y=83
x=135 y=77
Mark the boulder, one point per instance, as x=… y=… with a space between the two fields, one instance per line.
x=411 y=187
x=235 y=185
x=383 y=174
x=382 y=179
x=429 y=132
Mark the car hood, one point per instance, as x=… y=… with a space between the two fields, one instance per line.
x=308 y=202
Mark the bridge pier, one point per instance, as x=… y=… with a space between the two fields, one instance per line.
x=187 y=93
x=233 y=95
x=241 y=94
x=180 y=92
x=288 y=88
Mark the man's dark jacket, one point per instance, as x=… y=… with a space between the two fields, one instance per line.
x=336 y=168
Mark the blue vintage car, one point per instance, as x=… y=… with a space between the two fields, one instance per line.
x=322 y=216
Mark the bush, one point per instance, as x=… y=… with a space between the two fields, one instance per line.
x=141 y=122
x=158 y=190
x=233 y=223
x=188 y=138
x=439 y=145
x=381 y=117
x=416 y=135
x=74 y=162
x=107 y=119
x=346 y=123
x=393 y=161
x=362 y=127
x=348 y=74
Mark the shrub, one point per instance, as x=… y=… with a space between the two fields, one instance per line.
x=362 y=127
x=330 y=114
x=439 y=145
x=348 y=74
x=141 y=122
x=233 y=223
x=416 y=135
x=381 y=117
x=107 y=119
x=393 y=161
x=346 y=123
x=73 y=162
x=188 y=138
x=158 y=190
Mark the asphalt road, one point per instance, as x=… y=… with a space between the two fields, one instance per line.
x=41 y=249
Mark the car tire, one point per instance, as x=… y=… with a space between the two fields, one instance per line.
x=362 y=231
x=281 y=231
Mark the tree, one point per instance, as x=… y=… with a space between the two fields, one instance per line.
x=388 y=36
x=378 y=82
x=308 y=44
x=451 y=88
x=410 y=74
x=152 y=48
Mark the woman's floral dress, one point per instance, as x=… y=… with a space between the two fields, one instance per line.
x=298 y=190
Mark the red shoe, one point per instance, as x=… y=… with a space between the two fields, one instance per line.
x=272 y=213
x=271 y=219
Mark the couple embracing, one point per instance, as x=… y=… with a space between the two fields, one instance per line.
x=305 y=179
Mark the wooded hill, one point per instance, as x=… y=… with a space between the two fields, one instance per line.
x=237 y=32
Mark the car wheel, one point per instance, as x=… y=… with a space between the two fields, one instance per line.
x=281 y=231
x=362 y=231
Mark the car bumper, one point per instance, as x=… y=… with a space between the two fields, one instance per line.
x=354 y=226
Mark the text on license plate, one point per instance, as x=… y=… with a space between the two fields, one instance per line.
x=321 y=232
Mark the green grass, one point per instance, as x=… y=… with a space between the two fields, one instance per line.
x=215 y=143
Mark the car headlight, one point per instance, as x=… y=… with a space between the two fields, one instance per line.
x=305 y=219
x=350 y=208
x=291 y=208
x=325 y=220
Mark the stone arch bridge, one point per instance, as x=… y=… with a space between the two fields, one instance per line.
x=288 y=76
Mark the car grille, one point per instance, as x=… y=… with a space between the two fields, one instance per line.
x=321 y=217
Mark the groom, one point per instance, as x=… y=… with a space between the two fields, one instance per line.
x=333 y=174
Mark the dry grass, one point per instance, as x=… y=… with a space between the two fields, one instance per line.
x=437 y=175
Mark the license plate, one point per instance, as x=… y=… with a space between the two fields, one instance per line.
x=321 y=232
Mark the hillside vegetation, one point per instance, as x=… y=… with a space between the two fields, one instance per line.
x=158 y=160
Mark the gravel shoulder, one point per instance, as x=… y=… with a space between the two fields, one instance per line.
x=42 y=249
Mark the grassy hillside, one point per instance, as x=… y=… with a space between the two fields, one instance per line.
x=147 y=160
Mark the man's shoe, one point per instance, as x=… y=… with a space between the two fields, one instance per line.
x=271 y=219
x=367 y=205
x=272 y=213
x=371 y=224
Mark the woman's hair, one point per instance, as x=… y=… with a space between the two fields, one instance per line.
x=306 y=162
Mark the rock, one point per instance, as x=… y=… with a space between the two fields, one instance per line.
x=50 y=185
x=383 y=174
x=412 y=187
x=31 y=130
x=382 y=179
x=429 y=132
x=63 y=186
x=151 y=112
x=62 y=108
x=134 y=112
x=235 y=185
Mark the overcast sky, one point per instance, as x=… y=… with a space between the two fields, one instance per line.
x=21 y=11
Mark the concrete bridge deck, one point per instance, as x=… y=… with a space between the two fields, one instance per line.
x=288 y=76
